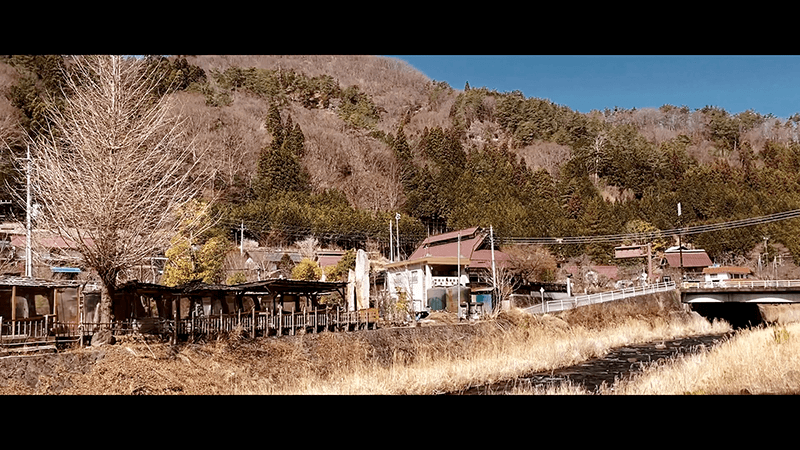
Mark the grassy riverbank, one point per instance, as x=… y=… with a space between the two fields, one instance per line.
x=435 y=357
x=763 y=360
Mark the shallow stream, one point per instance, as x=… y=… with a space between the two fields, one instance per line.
x=592 y=374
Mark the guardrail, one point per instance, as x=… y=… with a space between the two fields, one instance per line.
x=601 y=297
x=723 y=284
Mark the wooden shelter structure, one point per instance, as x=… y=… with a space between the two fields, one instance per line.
x=136 y=299
x=35 y=309
x=260 y=306
x=46 y=310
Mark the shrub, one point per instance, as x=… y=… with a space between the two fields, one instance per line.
x=307 y=270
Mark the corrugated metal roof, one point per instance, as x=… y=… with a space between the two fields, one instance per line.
x=467 y=232
x=727 y=269
x=8 y=280
x=690 y=259
x=610 y=272
x=482 y=259
x=329 y=258
x=444 y=249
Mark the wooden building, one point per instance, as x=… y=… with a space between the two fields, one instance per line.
x=29 y=298
x=136 y=300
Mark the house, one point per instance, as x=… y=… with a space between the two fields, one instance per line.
x=327 y=258
x=445 y=261
x=719 y=274
x=259 y=263
x=594 y=275
x=690 y=261
x=53 y=255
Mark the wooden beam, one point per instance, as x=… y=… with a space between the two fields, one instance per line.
x=13 y=304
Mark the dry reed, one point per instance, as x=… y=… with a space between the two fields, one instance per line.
x=423 y=360
x=763 y=360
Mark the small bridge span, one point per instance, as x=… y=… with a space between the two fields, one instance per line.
x=742 y=291
x=738 y=301
x=735 y=301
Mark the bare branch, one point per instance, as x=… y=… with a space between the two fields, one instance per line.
x=115 y=169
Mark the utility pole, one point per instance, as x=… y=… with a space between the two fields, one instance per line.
x=241 y=240
x=458 y=283
x=494 y=270
x=28 y=256
x=680 y=244
x=397 y=220
x=391 y=244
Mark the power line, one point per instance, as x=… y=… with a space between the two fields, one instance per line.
x=613 y=238
x=265 y=226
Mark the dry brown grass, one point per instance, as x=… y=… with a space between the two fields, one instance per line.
x=439 y=356
x=763 y=360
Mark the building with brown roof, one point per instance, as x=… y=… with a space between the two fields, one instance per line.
x=690 y=261
x=443 y=261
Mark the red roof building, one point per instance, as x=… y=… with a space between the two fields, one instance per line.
x=686 y=258
x=437 y=262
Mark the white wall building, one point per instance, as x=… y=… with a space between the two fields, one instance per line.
x=437 y=262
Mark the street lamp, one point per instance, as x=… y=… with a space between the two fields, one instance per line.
x=544 y=307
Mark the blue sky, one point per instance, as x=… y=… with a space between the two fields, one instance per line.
x=768 y=84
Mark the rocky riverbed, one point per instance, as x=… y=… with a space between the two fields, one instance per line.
x=594 y=373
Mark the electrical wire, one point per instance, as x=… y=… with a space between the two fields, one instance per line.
x=697 y=229
x=265 y=226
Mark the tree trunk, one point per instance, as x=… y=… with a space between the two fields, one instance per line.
x=103 y=335
x=105 y=306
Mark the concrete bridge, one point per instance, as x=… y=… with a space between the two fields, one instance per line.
x=735 y=301
x=738 y=301
x=741 y=291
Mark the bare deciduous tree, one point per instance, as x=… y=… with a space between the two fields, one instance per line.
x=114 y=170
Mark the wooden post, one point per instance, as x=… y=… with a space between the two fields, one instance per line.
x=80 y=313
x=291 y=330
x=13 y=308
x=56 y=297
x=280 y=320
x=253 y=325
x=176 y=312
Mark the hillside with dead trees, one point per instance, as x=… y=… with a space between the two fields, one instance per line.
x=332 y=147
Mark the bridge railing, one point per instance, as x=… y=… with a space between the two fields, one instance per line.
x=741 y=283
x=601 y=297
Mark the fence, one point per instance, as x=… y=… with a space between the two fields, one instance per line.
x=45 y=329
x=583 y=300
x=741 y=283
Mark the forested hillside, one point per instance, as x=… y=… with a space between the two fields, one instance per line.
x=333 y=147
